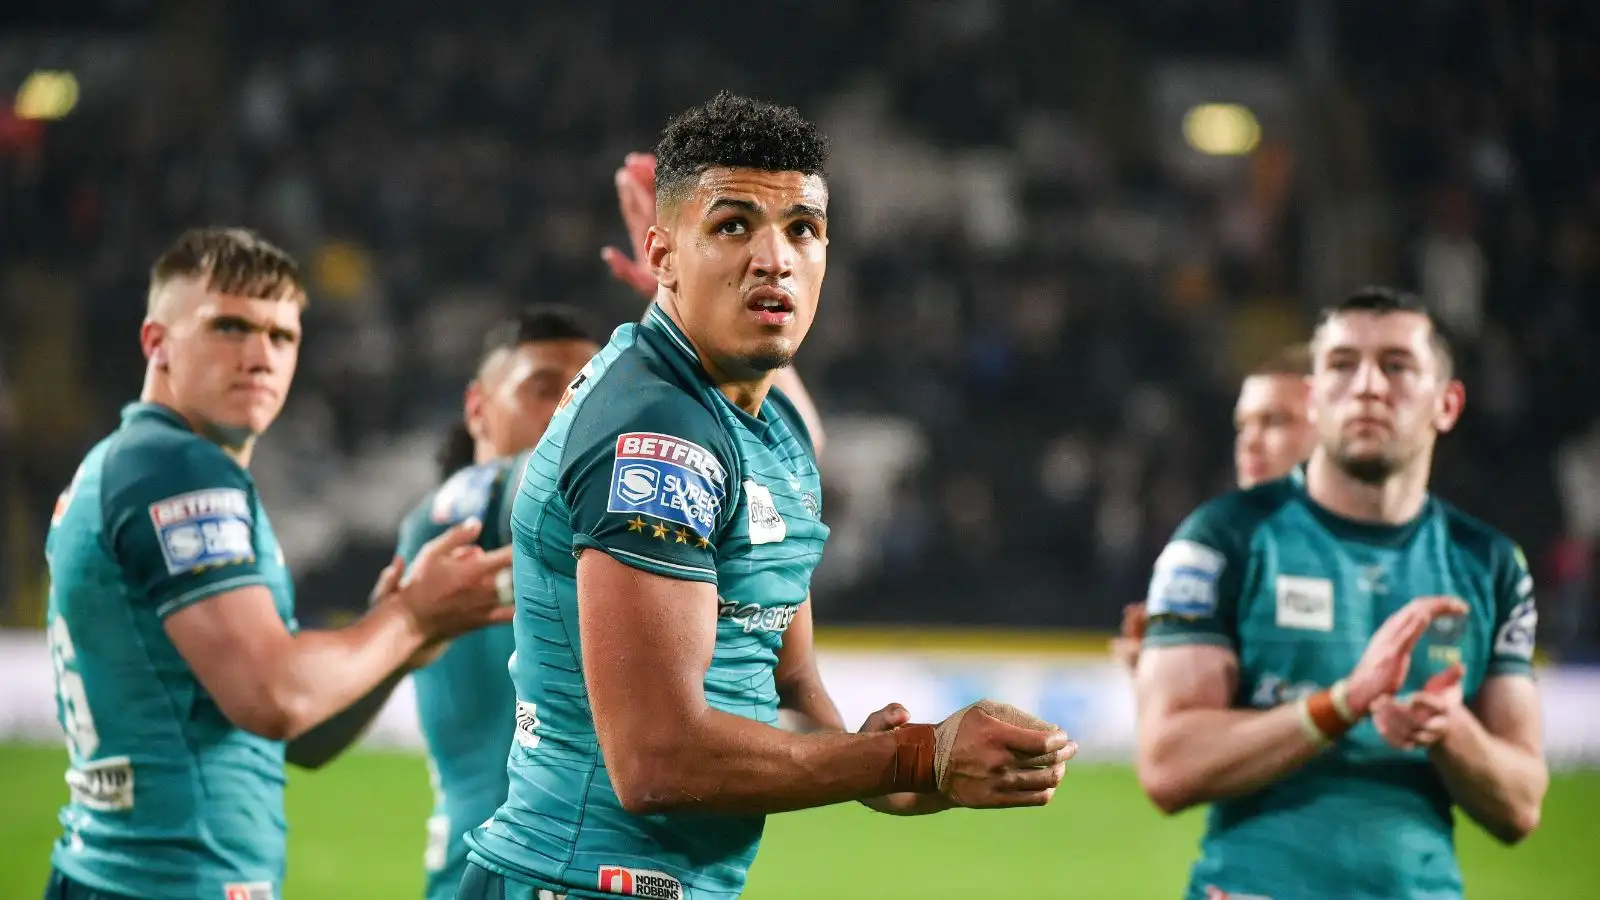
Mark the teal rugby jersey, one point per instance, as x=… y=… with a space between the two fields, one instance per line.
x=649 y=463
x=465 y=703
x=169 y=801
x=1297 y=592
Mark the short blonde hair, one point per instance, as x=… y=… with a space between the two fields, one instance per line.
x=230 y=261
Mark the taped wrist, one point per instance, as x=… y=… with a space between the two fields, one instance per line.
x=1326 y=714
x=912 y=768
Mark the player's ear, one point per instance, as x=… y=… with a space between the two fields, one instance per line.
x=152 y=340
x=1452 y=400
x=659 y=250
x=472 y=409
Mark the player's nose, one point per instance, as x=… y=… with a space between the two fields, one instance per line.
x=256 y=353
x=771 y=254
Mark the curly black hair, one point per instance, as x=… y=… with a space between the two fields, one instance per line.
x=736 y=132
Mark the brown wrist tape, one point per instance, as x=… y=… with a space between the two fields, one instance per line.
x=1325 y=715
x=912 y=768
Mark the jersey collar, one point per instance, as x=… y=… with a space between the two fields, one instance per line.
x=155 y=411
x=1375 y=533
x=657 y=319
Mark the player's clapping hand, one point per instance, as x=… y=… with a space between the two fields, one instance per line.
x=636 y=195
x=903 y=804
x=985 y=762
x=452 y=586
x=1387 y=659
x=1422 y=719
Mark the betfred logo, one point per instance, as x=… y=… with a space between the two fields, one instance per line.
x=640 y=883
x=666 y=448
x=255 y=890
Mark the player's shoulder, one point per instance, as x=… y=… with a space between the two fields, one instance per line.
x=155 y=452
x=639 y=395
x=1468 y=534
x=1232 y=519
x=790 y=414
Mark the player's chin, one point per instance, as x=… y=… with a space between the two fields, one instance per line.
x=768 y=355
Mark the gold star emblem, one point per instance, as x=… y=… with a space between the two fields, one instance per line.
x=660 y=531
x=702 y=543
x=636 y=524
x=683 y=536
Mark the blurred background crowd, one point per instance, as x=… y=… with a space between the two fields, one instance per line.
x=1062 y=231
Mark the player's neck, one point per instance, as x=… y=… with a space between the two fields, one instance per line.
x=744 y=390
x=157 y=391
x=1394 y=502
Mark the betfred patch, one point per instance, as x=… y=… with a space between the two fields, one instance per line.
x=668 y=478
x=464 y=494
x=254 y=890
x=640 y=883
x=1185 y=581
x=204 y=529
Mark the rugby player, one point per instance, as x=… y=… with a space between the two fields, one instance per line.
x=465 y=702
x=1272 y=434
x=665 y=533
x=1283 y=617
x=180 y=669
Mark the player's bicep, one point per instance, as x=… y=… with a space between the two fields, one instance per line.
x=1175 y=679
x=647 y=643
x=233 y=641
x=1509 y=708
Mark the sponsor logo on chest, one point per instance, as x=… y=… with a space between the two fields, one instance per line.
x=1305 y=603
x=766 y=523
x=253 y=890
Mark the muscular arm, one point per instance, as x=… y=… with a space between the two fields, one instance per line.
x=1192 y=747
x=279 y=685
x=665 y=747
x=1492 y=758
x=800 y=688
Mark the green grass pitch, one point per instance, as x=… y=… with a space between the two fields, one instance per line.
x=356 y=830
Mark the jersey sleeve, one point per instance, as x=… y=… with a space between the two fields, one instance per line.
x=649 y=485
x=473 y=491
x=1516 y=616
x=1194 y=589
x=179 y=517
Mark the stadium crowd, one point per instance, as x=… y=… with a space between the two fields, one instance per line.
x=1033 y=333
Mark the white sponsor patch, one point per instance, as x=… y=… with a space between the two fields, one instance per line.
x=766 y=523
x=1516 y=636
x=251 y=890
x=105 y=785
x=1185 y=581
x=1305 y=603
x=204 y=529
x=527 y=724
x=640 y=883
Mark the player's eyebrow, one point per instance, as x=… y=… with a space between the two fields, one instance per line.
x=752 y=208
x=277 y=332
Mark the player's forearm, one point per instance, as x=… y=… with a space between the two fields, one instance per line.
x=1499 y=784
x=328 y=671
x=809 y=706
x=729 y=764
x=322 y=743
x=1195 y=756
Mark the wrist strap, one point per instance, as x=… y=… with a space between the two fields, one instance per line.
x=912 y=768
x=1328 y=713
